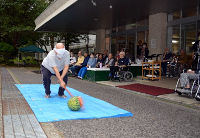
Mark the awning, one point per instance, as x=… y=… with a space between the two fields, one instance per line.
x=82 y=16
x=31 y=48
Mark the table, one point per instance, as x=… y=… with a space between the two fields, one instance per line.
x=101 y=74
x=97 y=74
x=136 y=69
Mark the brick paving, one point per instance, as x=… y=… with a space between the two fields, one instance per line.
x=18 y=118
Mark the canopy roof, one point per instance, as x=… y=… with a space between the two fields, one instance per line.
x=31 y=48
x=82 y=16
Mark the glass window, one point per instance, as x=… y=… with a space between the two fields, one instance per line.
x=173 y=38
x=133 y=25
x=188 y=32
x=114 y=46
x=176 y=15
x=189 y=12
x=141 y=36
x=121 y=40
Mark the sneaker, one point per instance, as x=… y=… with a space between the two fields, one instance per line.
x=47 y=96
x=62 y=96
x=81 y=78
x=78 y=77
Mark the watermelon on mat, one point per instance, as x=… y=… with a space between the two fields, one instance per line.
x=74 y=103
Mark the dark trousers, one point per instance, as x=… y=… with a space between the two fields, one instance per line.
x=164 y=67
x=114 y=69
x=75 y=69
x=46 y=75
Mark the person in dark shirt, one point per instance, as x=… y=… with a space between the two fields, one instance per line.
x=167 y=57
x=195 y=49
x=77 y=68
x=129 y=55
x=122 y=62
x=144 y=52
x=139 y=48
x=105 y=55
x=100 y=60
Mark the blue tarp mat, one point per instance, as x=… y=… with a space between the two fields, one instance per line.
x=56 y=109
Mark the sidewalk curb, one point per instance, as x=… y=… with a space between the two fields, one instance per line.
x=50 y=130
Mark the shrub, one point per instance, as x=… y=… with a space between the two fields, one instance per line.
x=6 y=51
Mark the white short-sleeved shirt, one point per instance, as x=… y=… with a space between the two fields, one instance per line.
x=72 y=60
x=51 y=60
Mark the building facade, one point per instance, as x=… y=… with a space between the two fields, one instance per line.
x=121 y=24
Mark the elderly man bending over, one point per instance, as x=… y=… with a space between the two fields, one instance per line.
x=56 y=63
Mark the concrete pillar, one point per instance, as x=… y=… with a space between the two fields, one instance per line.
x=100 y=40
x=157 y=33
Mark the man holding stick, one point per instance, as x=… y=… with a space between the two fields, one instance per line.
x=56 y=63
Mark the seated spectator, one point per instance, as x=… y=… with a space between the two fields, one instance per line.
x=97 y=55
x=90 y=64
x=80 y=60
x=109 y=61
x=122 y=62
x=167 y=57
x=75 y=69
x=182 y=58
x=100 y=60
x=186 y=77
x=72 y=59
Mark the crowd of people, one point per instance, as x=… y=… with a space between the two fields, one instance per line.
x=78 y=68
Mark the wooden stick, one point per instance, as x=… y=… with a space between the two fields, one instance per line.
x=68 y=92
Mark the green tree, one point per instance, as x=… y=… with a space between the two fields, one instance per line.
x=17 y=20
x=6 y=50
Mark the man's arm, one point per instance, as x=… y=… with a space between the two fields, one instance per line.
x=65 y=70
x=62 y=83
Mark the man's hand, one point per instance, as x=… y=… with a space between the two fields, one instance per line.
x=62 y=84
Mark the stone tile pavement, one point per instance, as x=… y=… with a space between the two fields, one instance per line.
x=169 y=83
x=18 y=118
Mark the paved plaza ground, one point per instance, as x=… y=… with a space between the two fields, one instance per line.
x=152 y=116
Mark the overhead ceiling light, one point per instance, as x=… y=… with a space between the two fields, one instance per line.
x=174 y=41
x=95 y=19
x=193 y=43
x=94 y=3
